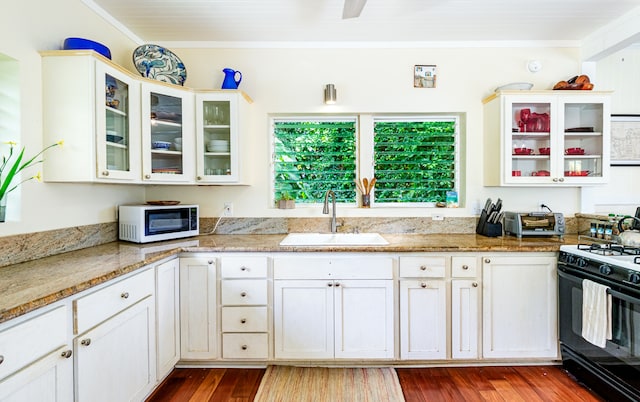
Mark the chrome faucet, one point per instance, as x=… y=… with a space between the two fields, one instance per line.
x=325 y=209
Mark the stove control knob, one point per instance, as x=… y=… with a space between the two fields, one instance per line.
x=605 y=269
x=581 y=262
x=571 y=259
x=634 y=277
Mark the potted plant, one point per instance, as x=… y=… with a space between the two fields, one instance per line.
x=286 y=201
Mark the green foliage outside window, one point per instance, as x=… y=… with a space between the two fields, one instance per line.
x=414 y=160
x=311 y=157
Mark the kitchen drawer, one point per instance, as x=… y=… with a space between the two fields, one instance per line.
x=98 y=306
x=423 y=267
x=30 y=340
x=333 y=267
x=243 y=267
x=243 y=292
x=464 y=267
x=245 y=346
x=244 y=319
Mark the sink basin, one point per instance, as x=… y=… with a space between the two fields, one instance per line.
x=333 y=239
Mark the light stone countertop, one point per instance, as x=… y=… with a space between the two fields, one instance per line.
x=30 y=285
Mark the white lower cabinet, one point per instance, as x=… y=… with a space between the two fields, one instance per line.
x=520 y=306
x=116 y=359
x=35 y=358
x=465 y=306
x=198 y=305
x=345 y=311
x=167 y=316
x=423 y=319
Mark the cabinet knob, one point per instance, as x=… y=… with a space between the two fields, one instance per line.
x=243 y=268
x=244 y=347
x=561 y=179
x=337 y=284
x=423 y=267
x=330 y=284
x=125 y=295
x=243 y=294
x=66 y=354
x=423 y=285
x=555 y=179
x=1 y=359
x=210 y=262
x=243 y=321
x=199 y=177
x=147 y=176
x=465 y=267
x=474 y=284
x=105 y=173
x=85 y=342
x=487 y=260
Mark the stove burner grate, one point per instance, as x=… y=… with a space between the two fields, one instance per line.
x=611 y=250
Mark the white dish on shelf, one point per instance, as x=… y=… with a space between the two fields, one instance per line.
x=522 y=86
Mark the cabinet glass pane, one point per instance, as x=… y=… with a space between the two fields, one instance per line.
x=117 y=124
x=583 y=139
x=166 y=134
x=216 y=137
x=530 y=139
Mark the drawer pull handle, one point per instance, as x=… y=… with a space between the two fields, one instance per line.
x=244 y=347
x=66 y=354
x=1 y=359
x=423 y=285
x=243 y=268
x=125 y=295
x=243 y=321
x=423 y=267
x=465 y=267
x=243 y=294
x=474 y=284
x=86 y=342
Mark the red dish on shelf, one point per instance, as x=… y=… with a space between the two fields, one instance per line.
x=574 y=151
x=544 y=151
x=541 y=173
x=522 y=151
x=576 y=173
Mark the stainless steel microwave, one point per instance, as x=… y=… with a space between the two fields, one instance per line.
x=147 y=223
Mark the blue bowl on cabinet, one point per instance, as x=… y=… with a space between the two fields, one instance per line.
x=81 y=43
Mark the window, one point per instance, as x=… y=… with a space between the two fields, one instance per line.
x=313 y=156
x=414 y=158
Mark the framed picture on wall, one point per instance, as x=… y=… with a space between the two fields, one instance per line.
x=625 y=140
x=424 y=76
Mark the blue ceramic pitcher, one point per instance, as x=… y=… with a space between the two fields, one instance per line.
x=232 y=78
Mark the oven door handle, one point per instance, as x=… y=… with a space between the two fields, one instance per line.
x=623 y=296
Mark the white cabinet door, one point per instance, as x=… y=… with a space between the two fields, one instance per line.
x=167 y=119
x=464 y=318
x=115 y=361
x=198 y=304
x=167 y=316
x=50 y=379
x=364 y=319
x=303 y=319
x=520 y=306
x=219 y=135
x=423 y=319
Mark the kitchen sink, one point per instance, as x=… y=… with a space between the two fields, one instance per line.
x=333 y=239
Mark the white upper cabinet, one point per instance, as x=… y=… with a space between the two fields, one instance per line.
x=119 y=127
x=95 y=108
x=546 y=138
x=219 y=134
x=167 y=134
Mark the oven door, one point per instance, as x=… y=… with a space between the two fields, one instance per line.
x=618 y=363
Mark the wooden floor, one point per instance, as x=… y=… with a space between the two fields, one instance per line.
x=468 y=384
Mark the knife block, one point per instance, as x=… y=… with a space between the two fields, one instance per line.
x=488 y=229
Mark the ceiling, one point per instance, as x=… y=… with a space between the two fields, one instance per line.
x=156 y=21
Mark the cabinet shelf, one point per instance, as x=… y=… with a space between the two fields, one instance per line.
x=166 y=152
x=115 y=145
x=115 y=111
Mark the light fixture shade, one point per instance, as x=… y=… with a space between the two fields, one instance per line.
x=330 y=94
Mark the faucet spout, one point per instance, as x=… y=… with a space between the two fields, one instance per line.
x=325 y=209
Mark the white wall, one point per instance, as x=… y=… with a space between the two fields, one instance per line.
x=26 y=27
x=371 y=81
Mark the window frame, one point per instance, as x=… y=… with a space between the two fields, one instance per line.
x=364 y=143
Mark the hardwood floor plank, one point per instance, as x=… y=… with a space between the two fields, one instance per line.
x=209 y=385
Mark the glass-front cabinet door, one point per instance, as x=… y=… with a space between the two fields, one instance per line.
x=117 y=125
x=218 y=134
x=167 y=134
